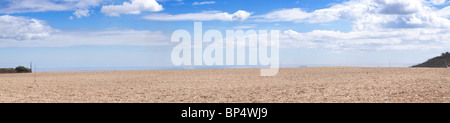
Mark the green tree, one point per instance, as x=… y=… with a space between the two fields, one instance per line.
x=22 y=69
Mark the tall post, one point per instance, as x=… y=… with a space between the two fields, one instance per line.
x=31 y=67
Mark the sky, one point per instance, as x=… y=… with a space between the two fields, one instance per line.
x=71 y=35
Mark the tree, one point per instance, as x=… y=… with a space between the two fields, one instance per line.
x=22 y=69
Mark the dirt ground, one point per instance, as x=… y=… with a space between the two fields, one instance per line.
x=291 y=85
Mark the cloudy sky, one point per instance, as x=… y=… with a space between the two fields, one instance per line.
x=134 y=33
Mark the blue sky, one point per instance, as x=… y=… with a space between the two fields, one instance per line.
x=62 y=34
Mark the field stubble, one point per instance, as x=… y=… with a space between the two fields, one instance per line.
x=291 y=85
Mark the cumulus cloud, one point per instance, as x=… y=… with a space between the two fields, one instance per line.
x=81 y=13
x=135 y=7
x=346 y=10
x=377 y=25
x=444 y=12
x=85 y=3
x=22 y=6
x=94 y=38
x=81 y=7
x=413 y=39
x=20 y=28
x=203 y=16
x=399 y=7
x=367 y=14
x=203 y=3
x=438 y=2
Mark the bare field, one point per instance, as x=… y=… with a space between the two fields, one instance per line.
x=291 y=85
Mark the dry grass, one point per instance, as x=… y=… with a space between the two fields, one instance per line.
x=318 y=84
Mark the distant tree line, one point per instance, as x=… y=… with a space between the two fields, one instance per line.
x=19 y=69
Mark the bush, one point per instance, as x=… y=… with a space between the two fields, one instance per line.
x=22 y=69
x=446 y=53
x=7 y=70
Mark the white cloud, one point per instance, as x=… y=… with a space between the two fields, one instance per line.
x=444 y=12
x=413 y=39
x=203 y=16
x=294 y=15
x=386 y=12
x=240 y=15
x=377 y=25
x=94 y=38
x=23 y=6
x=346 y=10
x=81 y=13
x=81 y=7
x=203 y=3
x=20 y=28
x=135 y=7
x=438 y=2
x=86 y=3
x=399 y=7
